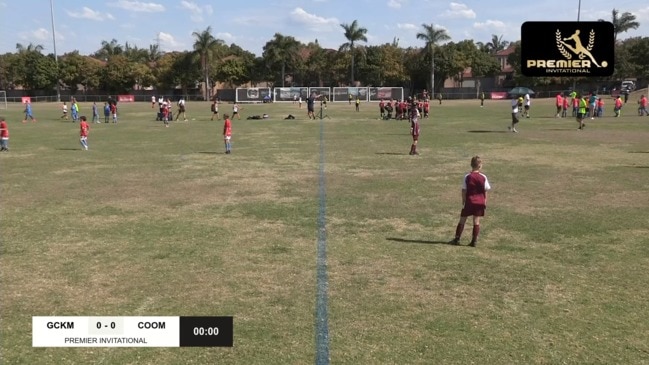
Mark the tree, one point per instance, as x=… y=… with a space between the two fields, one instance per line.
x=432 y=36
x=497 y=44
x=154 y=54
x=353 y=33
x=108 y=49
x=118 y=75
x=30 y=48
x=205 y=46
x=622 y=23
x=281 y=50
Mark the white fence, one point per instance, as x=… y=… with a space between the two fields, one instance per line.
x=339 y=94
x=367 y=93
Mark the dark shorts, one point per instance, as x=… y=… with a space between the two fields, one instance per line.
x=181 y=108
x=527 y=107
x=473 y=210
x=580 y=115
x=514 y=118
x=310 y=108
x=415 y=137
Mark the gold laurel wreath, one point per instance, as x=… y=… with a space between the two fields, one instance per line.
x=591 y=39
x=563 y=51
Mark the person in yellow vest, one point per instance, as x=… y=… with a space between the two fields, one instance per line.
x=582 y=112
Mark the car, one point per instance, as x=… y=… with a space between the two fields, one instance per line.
x=628 y=84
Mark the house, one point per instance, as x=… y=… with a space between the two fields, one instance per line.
x=466 y=80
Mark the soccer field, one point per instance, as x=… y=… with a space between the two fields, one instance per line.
x=155 y=221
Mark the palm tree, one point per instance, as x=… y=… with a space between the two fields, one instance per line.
x=205 y=46
x=497 y=44
x=30 y=48
x=622 y=23
x=432 y=36
x=154 y=54
x=353 y=33
x=281 y=49
x=111 y=49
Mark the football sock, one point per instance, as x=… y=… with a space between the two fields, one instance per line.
x=476 y=232
x=458 y=230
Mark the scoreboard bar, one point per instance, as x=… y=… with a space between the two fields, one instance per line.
x=148 y=331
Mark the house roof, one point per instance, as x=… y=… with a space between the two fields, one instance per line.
x=506 y=52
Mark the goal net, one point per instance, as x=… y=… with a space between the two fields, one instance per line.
x=3 y=99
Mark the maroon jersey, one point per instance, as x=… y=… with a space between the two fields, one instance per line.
x=414 y=126
x=476 y=185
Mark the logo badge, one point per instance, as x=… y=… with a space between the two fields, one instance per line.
x=560 y=49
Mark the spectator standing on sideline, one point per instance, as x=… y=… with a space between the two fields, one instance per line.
x=152 y=101
x=310 y=105
x=95 y=113
x=106 y=112
x=482 y=99
x=474 y=200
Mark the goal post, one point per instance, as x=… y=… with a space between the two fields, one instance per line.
x=3 y=100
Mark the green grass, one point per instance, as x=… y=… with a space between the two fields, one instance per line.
x=156 y=221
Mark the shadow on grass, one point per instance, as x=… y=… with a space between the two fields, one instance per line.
x=486 y=131
x=68 y=149
x=405 y=240
x=392 y=153
x=211 y=153
x=560 y=129
x=638 y=151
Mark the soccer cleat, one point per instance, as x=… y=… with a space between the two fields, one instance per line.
x=472 y=244
x=455 y=241
x=514 y=130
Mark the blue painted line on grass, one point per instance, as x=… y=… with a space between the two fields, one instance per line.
x=322 y=316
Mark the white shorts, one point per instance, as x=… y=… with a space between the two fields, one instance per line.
x=227 y=138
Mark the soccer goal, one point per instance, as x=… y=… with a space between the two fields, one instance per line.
x=3 y=99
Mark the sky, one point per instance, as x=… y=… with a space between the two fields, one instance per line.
x=82 y=25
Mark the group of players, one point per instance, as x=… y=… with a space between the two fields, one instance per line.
x=402 y=109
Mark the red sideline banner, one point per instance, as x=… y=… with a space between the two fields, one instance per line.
x=26 y=99
x=126 y=98
x=499 y=95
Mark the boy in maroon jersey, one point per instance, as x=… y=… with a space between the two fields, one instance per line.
x=474 y=200
x=382 y=108
x=414 y=128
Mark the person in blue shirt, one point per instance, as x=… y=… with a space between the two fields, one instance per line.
x=95 y=112
x=106 y=112
x=28 y=112
x=592 y=105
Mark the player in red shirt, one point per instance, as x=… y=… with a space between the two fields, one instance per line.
x=4 y=135
x=165 y=113
x=642 y=110
x=227 y=133
x=414 y=128
x=84 y=129
x=559 y=104
x=426 y=108
x=566 y=104
x=474 y=200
